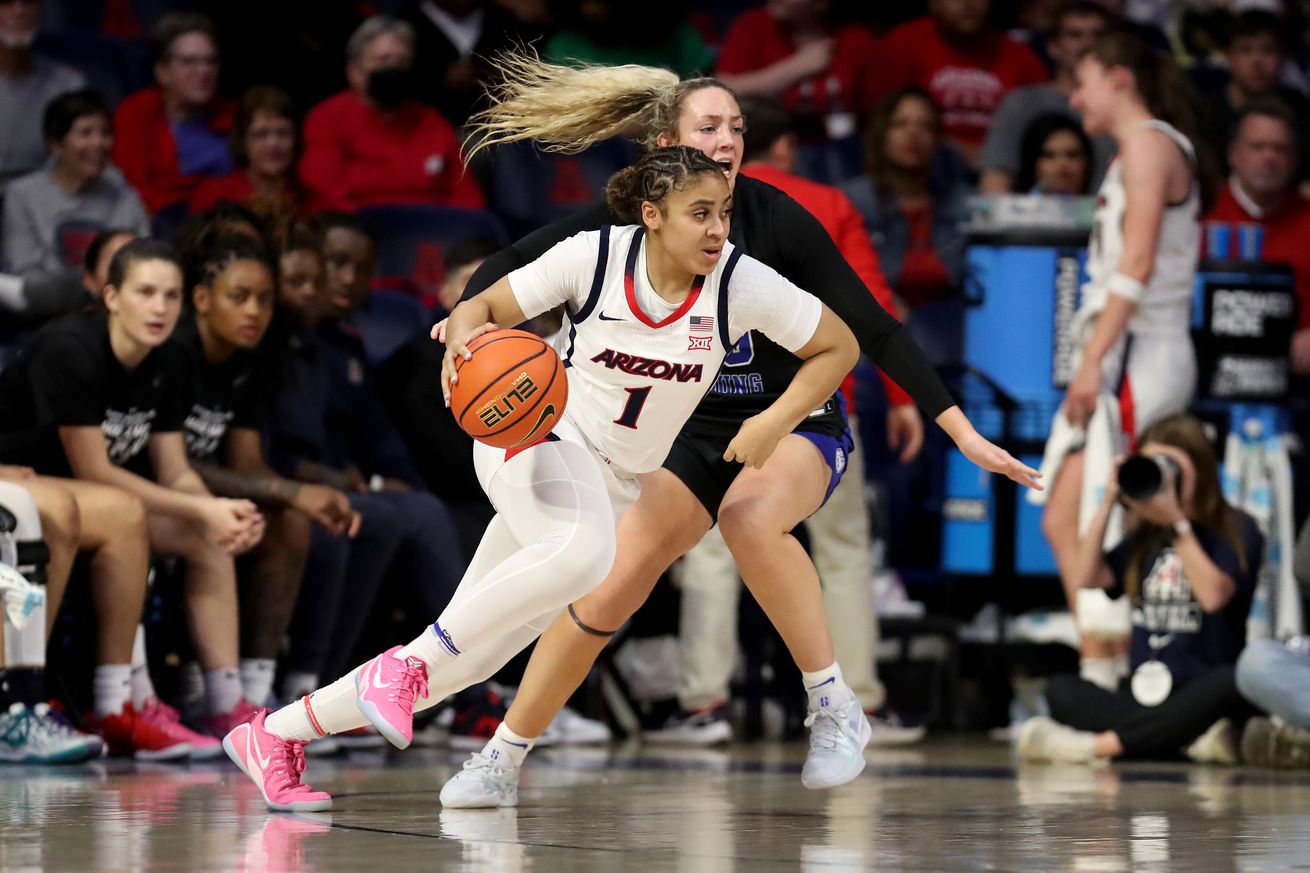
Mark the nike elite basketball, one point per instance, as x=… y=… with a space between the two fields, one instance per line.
x=511 y=392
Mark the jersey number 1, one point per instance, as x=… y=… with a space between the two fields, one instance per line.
x=632 y=409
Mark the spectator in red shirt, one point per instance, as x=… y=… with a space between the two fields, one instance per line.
x=264 y=142
x=1256 y=54
x=1262 y=188
x=170 y=137
x=967 y=67
x=374 y=143
x=824 y=74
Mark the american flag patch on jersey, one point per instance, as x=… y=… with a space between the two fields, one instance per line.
x=702 y=324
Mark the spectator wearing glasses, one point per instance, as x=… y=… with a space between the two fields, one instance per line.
x=173 y=136
x=265 y=142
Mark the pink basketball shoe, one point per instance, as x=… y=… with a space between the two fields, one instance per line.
x=274 y=765
x=386 y=688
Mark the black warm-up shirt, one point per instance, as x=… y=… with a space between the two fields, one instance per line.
x=69 y=377
x=219 y=397
x=776 y=230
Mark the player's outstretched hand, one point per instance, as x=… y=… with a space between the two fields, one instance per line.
x=754 y=442
x=995 y=459
x=456 y=347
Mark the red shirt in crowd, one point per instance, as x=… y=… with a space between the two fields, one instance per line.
x=146 y=152
x=968 y=84
x=236 y=187
x=758 y=40
x=840 y=218
x=1287 y=237
x=923 y=275
x=357 y=156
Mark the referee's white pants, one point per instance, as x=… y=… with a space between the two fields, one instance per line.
x=839 y=546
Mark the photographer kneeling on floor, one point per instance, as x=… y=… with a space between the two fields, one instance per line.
x=1188 y=564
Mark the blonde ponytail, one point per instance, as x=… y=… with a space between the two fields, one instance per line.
x=568 y=109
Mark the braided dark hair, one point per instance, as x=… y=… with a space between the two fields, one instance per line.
x=205 y=266
x=658 y=173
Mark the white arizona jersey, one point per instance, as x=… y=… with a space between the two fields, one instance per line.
x=638 y=365
x=1165 y=305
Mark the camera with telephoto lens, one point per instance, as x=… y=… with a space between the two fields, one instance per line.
x=1141 y=477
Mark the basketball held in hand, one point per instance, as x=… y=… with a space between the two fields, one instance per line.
x=511 y=392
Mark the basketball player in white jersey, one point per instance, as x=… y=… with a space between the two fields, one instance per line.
x=1132 y=327
x=653 y=308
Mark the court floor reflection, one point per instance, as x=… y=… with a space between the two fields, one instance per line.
x=949 y=805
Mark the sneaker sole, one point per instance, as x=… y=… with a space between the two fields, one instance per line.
x=299 y=806
x=380 y=724
x=495 y=804
x=466 y=743
x=321 y=749
x=68 y=756
x=180 y=752
x=857 y=764
x=714 y=735
x=897 y=736
x=207 y=753
x=585 y=741
x=362 y=744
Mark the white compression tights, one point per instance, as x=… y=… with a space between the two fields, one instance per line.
x=552 y=542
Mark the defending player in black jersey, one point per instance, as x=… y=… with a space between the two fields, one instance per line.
x=756 y=508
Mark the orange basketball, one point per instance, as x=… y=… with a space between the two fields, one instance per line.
x=511 y=392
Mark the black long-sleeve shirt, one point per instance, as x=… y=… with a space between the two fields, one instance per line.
x=776 y=230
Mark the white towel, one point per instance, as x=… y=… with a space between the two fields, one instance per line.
x=1100 y=441
x=1257 y=478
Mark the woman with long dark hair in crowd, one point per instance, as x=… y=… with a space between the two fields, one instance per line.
x=1188 y=566
x=912 y=207
x=1055 y=157
x=1134 y=360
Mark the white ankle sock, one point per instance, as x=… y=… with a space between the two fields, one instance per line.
x=433 y=647
x=222 y=690
x=113 y=688
x=826 y=688
x=142 y=688
x=1100 y=671
x=291 y=722
x=507 y=747
x=257 y=679
x=332 y=710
